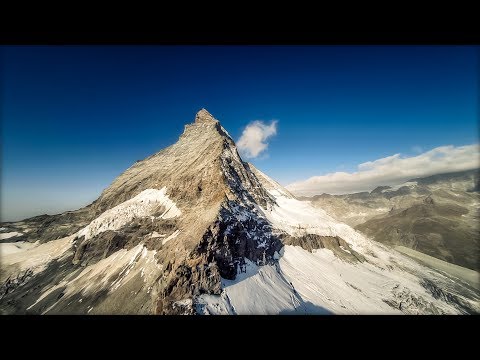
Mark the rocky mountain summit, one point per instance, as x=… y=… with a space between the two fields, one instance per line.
x=193 y=229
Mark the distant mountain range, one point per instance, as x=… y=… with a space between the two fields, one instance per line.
x=437 y=215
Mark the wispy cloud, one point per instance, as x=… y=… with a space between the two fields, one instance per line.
x=254 y=138
x=392 y=170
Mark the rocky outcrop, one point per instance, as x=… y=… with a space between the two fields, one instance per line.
x=12 y=283
x=45 y=228
x=336 y=244
x=439 y=293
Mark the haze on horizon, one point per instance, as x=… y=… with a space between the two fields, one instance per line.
x=320 y=118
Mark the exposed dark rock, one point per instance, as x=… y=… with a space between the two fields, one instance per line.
x=429 y=200
x=334 y=243
x=439 y=293
x=88 y=252
x=222 y=249
x=45 y=228
x=379 y=189
x=11 y=284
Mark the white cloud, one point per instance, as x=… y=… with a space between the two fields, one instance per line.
x=392 y=170
x=253 y=140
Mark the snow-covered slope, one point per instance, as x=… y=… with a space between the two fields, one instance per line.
x=298 y=218
x=145 y=204
x=319 y=282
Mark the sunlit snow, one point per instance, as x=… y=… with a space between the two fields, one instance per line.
x=144 y=204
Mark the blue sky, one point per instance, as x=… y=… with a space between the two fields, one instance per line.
x=75 y=117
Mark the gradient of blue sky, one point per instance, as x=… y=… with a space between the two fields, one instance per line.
x=75 y=117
